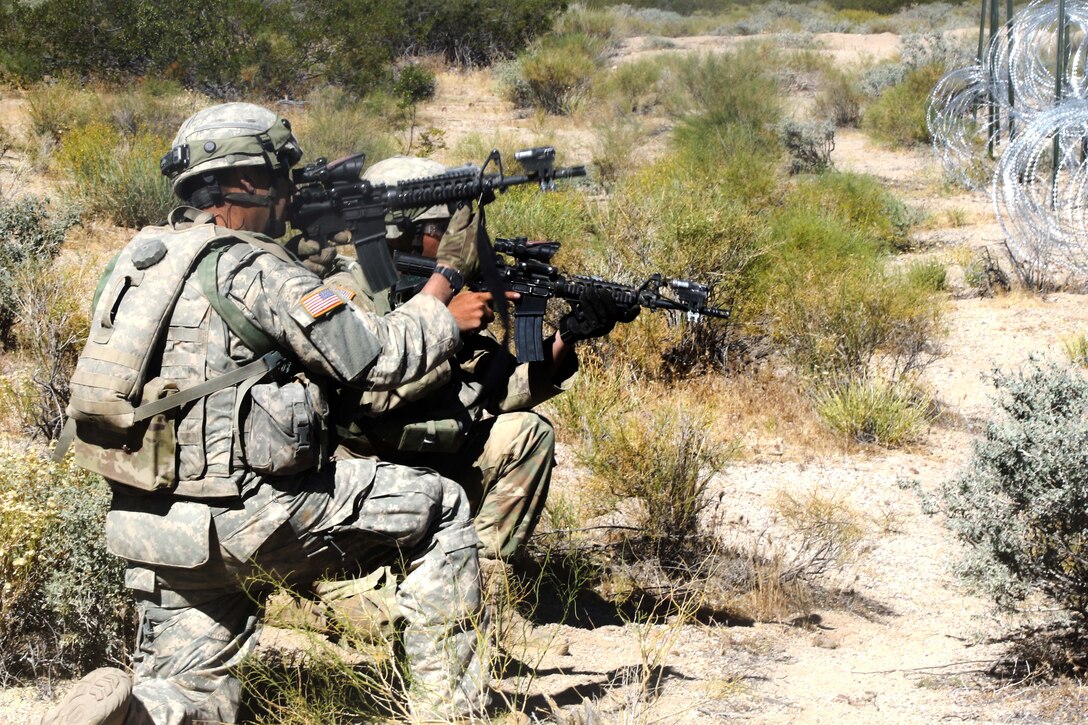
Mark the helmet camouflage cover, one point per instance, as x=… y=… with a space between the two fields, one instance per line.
x=402 y=168
x=227 y=136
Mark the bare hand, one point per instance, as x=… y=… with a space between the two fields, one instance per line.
x=472 y=310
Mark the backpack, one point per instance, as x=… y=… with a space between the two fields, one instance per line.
x=119 y=410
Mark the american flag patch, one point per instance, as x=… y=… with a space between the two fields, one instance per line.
x=321 y=301
x=347 y=294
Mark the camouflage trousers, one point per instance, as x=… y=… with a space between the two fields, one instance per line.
x=199 y=624
x=505 y=467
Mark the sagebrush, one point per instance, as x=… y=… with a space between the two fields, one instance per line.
x=1021 y=503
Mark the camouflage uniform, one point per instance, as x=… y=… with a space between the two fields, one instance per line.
x=202 y=564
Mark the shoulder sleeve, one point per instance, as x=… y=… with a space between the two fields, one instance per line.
x=332 y=337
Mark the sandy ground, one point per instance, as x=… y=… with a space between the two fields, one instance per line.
x=902 y=642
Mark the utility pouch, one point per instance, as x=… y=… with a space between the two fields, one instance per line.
x=142 y=456
x=280 y=426
x=424 y=436
x=161 y=533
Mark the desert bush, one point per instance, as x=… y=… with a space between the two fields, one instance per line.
x=664 y=458
x=725 y=97
x=871 y=410
x=63 y=605
x=898 y=116
x=117 y=177
x=557 y=71
x=51 y=325
x=563 y=215
x=930 y=274
x=614 y=155
x=157 y=106
x=695 y=215
x=1076 y=349
x=809 y=145
x=634 y=87
x=58 y=107
x=1019 y=504
x=337 y=124
x=860 y=202
x=825 y=529
x=834 y=309
x=30 y=236
x=840 y=325
x=839 y=99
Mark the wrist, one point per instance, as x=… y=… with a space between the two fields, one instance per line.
x=454 y=277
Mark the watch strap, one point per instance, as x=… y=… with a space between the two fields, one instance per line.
x=455 y=278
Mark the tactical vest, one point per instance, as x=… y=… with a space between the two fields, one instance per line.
x=155 y=397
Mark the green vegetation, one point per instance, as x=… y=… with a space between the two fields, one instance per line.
x=898 y=117
x=874 y=411
x=117 y=176
x=1019 y=503
x=31 y=237
x=63 y=606
x=228 y=46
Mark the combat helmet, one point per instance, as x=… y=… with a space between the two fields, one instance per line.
x=228 y=135
x=402 y=168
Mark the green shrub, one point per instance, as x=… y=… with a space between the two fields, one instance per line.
x=861 y=202
x=63 y=605
x=615 y=151
x=556 y=72
x=898 y=116
x=809 y=145
x=930 y=274
x=839 y=99
x=156 y=106
x=118 y=177
x=562 y=215
x=338 y=124
x=1021 y=503
x=835 y=311
x=840 y=325
x=633 y=87
x=661 y=456
x=58 y=107
x=51 y=325
x=728 y=99
x=30 y=236
x=1076 y=349
x=869 y=410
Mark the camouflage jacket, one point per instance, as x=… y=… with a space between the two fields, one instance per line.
x=456 y=393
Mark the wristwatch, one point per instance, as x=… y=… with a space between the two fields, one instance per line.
x=455 y=278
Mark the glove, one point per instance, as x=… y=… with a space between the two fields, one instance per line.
x=594 y=315
x=317 y=256
x=457 y=249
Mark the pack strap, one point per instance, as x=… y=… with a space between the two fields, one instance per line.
x=207 y=275
x=253 y=371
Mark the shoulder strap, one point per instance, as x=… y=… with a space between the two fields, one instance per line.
x=206 y=272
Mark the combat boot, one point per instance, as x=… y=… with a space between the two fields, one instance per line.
x=100 y=698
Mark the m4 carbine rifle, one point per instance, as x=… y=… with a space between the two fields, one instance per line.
x=332 y=197
x=536 y=280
